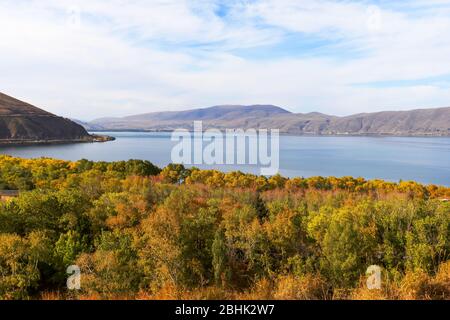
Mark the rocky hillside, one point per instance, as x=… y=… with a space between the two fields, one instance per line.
x=21 y=122
x=422 y=122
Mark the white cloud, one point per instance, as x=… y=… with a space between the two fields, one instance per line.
x=137 y=56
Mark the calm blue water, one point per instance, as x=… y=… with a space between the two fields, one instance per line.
x=426 y=160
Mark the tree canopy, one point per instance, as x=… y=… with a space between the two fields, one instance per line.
x=137 y=231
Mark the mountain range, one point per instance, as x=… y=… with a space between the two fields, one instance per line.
x=420 y=122
x=21 y=122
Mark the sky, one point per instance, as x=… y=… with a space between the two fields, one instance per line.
x=87 y=59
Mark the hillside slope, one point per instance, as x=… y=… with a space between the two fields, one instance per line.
x=21 y=122
x=421 y=122
x=415 y=122
x=227 y=116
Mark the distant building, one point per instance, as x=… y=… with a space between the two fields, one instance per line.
x=6 y=195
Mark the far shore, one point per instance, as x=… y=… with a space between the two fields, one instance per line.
x=372 y=135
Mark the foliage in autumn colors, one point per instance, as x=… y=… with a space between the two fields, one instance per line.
x=139 y=232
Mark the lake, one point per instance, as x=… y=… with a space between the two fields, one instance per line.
x=425 y=160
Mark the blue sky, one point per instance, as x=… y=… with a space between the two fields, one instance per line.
x=88 y=59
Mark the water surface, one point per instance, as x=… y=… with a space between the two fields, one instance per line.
x=425 y=160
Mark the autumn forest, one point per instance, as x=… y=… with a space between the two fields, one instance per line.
x=140 y=232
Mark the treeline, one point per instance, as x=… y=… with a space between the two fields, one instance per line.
x=140 y=232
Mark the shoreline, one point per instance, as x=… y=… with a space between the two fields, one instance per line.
x=93 y=139
x=371 y=135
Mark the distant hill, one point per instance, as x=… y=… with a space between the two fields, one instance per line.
x=421 y=122
x=20 y=122
x=87 y=125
